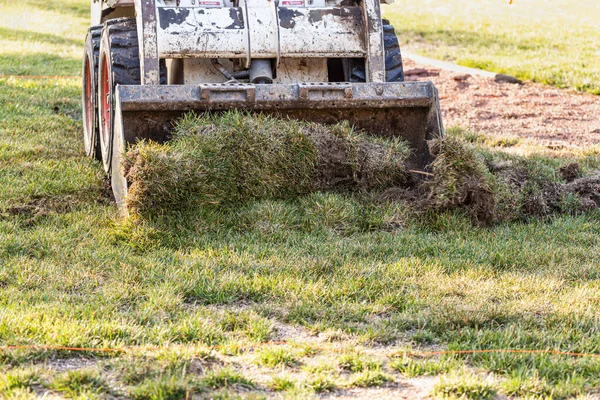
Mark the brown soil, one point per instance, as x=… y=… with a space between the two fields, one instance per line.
x=343 y=163
x=555 y=117
x=40 y=207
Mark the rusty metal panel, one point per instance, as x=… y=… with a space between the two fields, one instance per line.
x=263 y=29
x=291 y=70
x=307 y=95
x=294 y=70
x=260 y=32
x=118 y=3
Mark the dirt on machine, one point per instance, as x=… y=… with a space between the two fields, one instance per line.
x=148 y=62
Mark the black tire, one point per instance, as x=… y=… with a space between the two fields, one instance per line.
x=394 y=70
x=89 y=93
x=119 y=64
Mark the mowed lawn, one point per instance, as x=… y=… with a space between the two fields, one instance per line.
x=276 y=298
x=549 y=41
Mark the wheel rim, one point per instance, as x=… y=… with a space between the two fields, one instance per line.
x=88 y=105
x=105 y=103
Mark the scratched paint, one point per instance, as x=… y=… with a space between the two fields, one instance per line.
x=268 y=32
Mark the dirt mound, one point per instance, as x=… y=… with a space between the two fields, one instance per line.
x=493 y=190
x=460 y=180
x=553 y=117
x=588 y=189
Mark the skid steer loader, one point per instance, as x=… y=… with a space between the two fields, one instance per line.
x=147 y=62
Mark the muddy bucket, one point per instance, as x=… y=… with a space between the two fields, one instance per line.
x=404 y=109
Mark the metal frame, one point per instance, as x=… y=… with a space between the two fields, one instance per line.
x=404 y=109
x=147 y=34
x=259 y=30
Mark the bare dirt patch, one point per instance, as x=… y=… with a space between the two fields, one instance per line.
x=69 y=364
x=40 y=207
x=554 y=117
x=404 y=388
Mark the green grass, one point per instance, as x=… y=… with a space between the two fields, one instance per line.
x=548 y=41
x=411 y=367
x=464 y=386
x=282 y=383
x=226 y=378
x=210 y=285
x=321 y=383
x=77 y=383
x=275 y=358
x=353 y=362
x=369 y=379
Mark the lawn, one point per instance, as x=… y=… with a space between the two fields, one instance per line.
x=324 y=293
x=549 y=41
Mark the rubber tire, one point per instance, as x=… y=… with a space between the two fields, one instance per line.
x=89 y=93
x=394 y=70
x=119 y=64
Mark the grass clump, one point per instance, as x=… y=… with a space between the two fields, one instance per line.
x=321 y=383
x=229 y=158
x=133 y=369
x=250 y=324
x=275 y=357
x=237 y=158
x=369 y=378
x=520 y=385
x=80 y=382
x=353 y=362
x=225 y=378
x=161 y=389
x=18 y=381
x=411 y=368
x=464 y=387
x=494 y=187
x=281 y=383
x=318 y=368
x=460 y=179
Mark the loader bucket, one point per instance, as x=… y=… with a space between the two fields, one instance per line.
x=401 y=109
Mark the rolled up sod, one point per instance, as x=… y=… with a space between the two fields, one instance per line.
x=233 y=157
